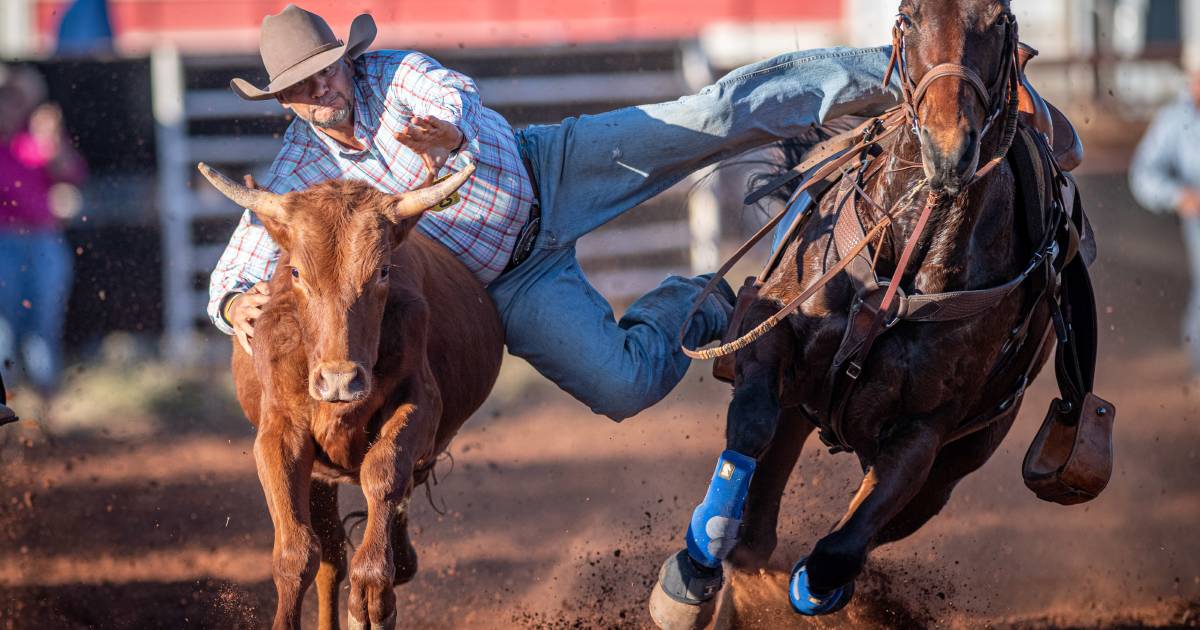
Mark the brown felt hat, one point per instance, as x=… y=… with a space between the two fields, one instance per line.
x=296 y=44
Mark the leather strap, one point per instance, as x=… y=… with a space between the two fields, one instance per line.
x=831 y=167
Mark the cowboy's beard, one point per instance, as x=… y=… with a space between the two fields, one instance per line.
x=339 y=111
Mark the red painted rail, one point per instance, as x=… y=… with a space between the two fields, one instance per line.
x=466 y=22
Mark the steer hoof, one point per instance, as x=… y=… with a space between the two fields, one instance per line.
x=684 y=598
x=386 y=624
x=807 y=602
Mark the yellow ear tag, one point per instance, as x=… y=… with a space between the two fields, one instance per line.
x=448 y=201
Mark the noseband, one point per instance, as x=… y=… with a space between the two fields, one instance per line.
x=999 y=97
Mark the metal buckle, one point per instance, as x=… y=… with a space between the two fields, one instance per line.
x=853 y=370
x=901 y=304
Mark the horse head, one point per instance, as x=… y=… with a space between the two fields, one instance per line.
x=955 y=59
x=339 y=237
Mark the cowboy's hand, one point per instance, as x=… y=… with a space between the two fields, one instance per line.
x=1189 y=203
x=431 y=138
x=245 y=310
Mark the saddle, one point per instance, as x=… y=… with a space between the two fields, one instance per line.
x=1070 y=459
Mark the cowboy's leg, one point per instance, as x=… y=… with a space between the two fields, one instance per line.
x=1191 y=317
x=594 y=168
x=554 y=319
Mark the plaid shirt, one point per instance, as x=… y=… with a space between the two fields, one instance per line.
x=390 y=87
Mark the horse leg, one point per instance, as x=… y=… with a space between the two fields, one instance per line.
x=823 y=582
x=954 y=461
x=689 y=580
x=283 y=456
x=761 y=520
x=329 y=530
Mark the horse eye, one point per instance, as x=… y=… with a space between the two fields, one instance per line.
x=295 y=273
x=383 y=272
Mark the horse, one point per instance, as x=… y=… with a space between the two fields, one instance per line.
x=921 y=295
x=376 y=346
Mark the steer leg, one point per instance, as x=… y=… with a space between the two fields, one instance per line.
x=404 y=555
x=333 y=552
x=386 y=476
x=823 y=582
x=283 y=455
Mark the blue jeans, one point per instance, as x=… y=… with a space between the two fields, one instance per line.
x=591 y=169
x=1191 y=317
x=35 y=281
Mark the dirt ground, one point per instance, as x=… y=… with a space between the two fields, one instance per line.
x=152 y=517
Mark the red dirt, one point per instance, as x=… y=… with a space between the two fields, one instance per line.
x=560 y=519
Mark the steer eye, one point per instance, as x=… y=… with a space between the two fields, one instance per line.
x=295 y=273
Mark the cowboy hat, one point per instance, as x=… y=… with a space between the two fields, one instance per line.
x=296 y=44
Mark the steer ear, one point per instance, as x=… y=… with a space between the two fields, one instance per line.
x=415 y=202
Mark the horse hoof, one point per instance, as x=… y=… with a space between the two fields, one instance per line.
x=386 y=624
x=806 y=602
x=671 y=614
x=684 y=597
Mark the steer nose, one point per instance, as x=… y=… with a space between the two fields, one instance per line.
x=338 y=382
x=949 y=161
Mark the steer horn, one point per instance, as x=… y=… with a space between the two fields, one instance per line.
x=414 y=202
x=266 y=204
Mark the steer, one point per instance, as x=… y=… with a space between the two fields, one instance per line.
x=375 y=347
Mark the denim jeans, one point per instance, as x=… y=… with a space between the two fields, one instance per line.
x=35 y=280
x=1191 y=317
x=591 y=169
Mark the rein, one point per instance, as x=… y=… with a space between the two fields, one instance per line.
x=892 y=122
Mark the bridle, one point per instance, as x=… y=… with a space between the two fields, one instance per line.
x=999 y=97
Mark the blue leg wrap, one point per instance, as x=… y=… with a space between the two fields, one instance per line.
x=807 y=602
x=716 y=522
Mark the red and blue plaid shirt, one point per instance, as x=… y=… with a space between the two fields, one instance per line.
x=390 y=88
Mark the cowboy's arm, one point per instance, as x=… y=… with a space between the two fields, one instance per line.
x=1154 y=175
x=426 y=88
x=249 y=258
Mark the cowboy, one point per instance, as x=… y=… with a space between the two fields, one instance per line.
x=396 y=119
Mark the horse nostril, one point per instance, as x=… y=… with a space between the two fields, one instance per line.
x=966 y=158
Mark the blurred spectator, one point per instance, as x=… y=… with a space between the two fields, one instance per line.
x=35 y=263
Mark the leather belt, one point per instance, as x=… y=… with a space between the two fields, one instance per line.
x=529 y=232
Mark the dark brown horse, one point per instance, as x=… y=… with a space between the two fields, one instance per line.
x=376 y=346
x=900 y=389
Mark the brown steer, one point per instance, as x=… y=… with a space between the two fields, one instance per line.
x=376 y=346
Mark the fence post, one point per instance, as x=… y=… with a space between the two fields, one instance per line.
x=704 y=222
x=166 y=87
